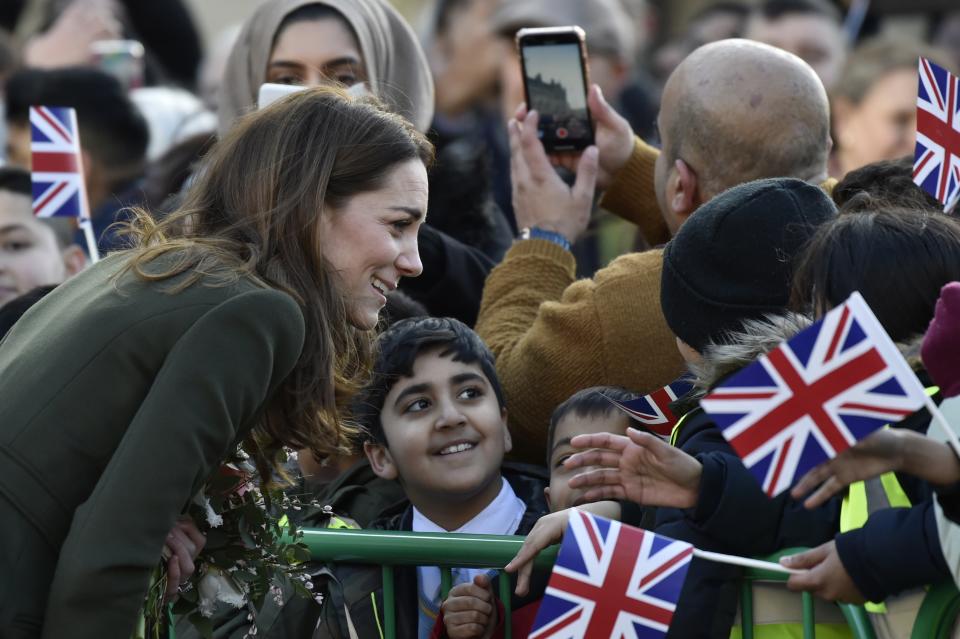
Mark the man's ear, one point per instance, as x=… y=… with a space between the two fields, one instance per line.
x=380 y=460
x=546 y=495
x=74 y=259
x=507 y=441
x=685 y=193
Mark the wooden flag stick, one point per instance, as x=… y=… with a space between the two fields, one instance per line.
x=87 y=227
x=746 y=562
x=943 y=423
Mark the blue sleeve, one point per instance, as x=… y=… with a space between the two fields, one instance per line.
x=897 y=549
x=731 y=496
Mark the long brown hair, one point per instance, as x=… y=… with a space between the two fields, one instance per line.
x=254 y=212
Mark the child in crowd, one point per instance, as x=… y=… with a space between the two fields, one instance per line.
x=437 y=423
x=33 y=252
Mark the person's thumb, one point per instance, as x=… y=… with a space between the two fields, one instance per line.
x=805 y=560
x=600 y=109
x=482 y=580
x=587 y=167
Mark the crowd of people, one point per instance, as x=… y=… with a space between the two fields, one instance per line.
x=387 y=274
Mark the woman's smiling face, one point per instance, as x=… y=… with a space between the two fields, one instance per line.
x=371 y=240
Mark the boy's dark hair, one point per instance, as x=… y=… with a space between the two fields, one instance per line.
x=884 y=183
x=15 y=308
x=401 y=306
x=589 y=402
x=398 y=349
x=112 y=128
x=17 y=180
x=898 y=260
x=775 y=9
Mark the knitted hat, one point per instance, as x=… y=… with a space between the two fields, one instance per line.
x=941 y=343
x=732 y=260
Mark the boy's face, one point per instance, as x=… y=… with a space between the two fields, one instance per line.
x=559 y=494
x=29 y=253
x=446 y=433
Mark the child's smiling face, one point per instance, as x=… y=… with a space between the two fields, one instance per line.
x=446 y=432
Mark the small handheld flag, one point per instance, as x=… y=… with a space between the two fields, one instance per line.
x=653 y=410
x=57 y=168
x=611 y=581
x=936 y=166
x=814 y=396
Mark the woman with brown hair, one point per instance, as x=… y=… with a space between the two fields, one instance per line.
x=245 y=315
x=368 y=46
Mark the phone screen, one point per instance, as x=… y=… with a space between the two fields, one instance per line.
x=556 y=89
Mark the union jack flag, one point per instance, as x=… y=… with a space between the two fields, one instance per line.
x=56 y=165
x=936 y=165
x=612 y=580
x=653 y=410
x=813 y=396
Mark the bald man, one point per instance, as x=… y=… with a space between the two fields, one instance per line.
x=732 y=111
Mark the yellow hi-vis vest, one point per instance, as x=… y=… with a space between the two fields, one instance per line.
x=778 y=613
x=867 y=497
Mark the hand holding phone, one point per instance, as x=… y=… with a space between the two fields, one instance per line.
x=555 y=81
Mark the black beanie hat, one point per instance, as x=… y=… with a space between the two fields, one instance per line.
x=732 y=260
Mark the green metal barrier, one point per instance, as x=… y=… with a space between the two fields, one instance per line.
x=447 y=551
x=938 y=613
x=452 y=550
x=855 y=616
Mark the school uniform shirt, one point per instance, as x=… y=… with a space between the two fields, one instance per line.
x=117 y=400
x=501 y=517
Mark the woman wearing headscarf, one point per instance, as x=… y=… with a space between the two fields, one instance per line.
x=310 y=42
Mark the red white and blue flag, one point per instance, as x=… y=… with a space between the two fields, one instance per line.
x=612 y=581
x=814 y=396
x=653 y=410
x=56 y=165
x=936 y=165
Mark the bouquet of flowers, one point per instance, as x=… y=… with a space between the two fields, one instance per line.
x=252 y=551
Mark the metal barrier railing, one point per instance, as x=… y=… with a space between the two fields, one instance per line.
x=451 y=550
x=389 y=549
x=855 y=616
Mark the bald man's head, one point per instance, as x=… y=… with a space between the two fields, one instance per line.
x=736 y=110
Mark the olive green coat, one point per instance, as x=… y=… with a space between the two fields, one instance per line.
x=117 y=399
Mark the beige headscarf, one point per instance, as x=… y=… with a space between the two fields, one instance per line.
x=396 y=66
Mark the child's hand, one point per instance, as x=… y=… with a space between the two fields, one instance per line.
x=469 y=611
x=885 y=450
x=184 y=543
x=823 y=574
x=547 y=531
x=639 y=467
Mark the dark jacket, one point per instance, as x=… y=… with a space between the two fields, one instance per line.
x=356 y=584
x=117 y=400
x=735 y=514
x=451 y=284
x=708 y=601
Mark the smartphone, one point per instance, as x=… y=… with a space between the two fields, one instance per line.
x=555 y=81
x=122 y=59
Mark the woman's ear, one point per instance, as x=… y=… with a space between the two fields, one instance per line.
x=74 y=259
x=380 y=460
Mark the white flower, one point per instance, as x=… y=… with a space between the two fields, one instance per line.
x=213 y=519
x=218 y=586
